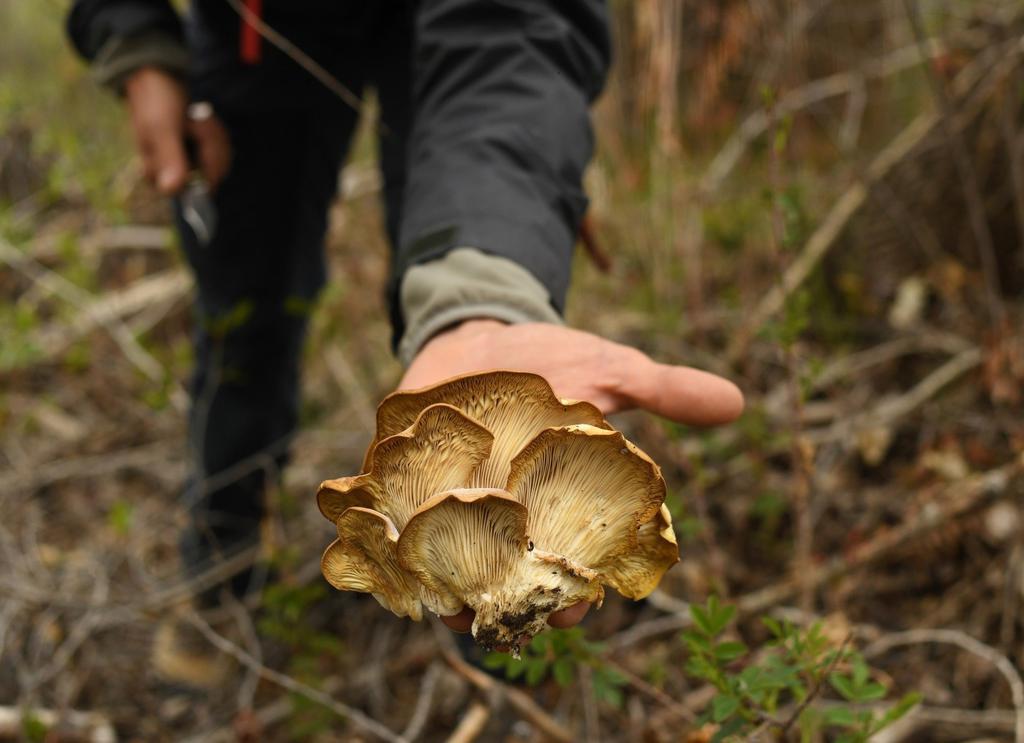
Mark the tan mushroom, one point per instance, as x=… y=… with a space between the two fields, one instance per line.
x=472 y=543
x=514 y=406
x=439 y=451
x=489 y=492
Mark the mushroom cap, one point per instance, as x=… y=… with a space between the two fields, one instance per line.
x=514 y=406
x=439 y=451
x=363 y=558
x=587 y=491
x=636 y=574
x=472 y=543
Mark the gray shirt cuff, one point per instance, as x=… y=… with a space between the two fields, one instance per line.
x=467 y=284
x=122 y=55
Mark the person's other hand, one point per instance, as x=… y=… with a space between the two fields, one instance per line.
x=579 y=366
x=158 y=104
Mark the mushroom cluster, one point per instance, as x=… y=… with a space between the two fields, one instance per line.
x=487 y=491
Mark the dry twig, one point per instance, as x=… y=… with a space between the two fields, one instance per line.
x=353 y=715
x=965 y=642
x=968 y=176
x=421 y=712
x=56 y=284
x=472 y=724
x=522 y=703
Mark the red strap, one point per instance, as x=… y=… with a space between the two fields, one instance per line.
x=250 y=43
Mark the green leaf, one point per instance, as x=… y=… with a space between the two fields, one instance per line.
x=840 y=717
x=860 y=672
x=721 y=618
x=33 y=729
x=495 y=661
x=898 y=710
x=730 y=651
x=731 y=727
x=606 y=685
x=564 y=671
x=120 y=516
x=723 y=706
x=701 y=618
x=844 y=686
x=535 y=671
x=870 y=692
x=697 y=642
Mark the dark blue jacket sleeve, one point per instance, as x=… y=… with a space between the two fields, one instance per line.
x=92 y=23
x=501 y=133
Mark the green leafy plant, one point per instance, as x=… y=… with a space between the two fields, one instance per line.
x=560 y=654
x=33 y=729
x=121 y=516
x=778 y=686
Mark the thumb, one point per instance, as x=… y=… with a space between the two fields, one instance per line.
x=679 y=393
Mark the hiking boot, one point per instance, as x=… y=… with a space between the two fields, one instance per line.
x=181 y=655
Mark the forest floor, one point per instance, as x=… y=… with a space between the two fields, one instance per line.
x=849 y=248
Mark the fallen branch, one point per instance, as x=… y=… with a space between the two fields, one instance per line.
x=87 y=726
x=421 y=712
x=471 y=725
x=892 y=410
x=42 y=474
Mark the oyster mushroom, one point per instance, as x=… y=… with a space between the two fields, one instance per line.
x=487 y=491
x=513 y=406
x=472 y=543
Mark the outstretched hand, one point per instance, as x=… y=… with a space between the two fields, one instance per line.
x=579 y=366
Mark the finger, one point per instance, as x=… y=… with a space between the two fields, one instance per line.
x=570 y=616
x=680 y=393
x=168 y=164
x=214 y=149
x=461 y=622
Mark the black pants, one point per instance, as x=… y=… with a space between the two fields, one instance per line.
x=257 y=281
x=485 y=138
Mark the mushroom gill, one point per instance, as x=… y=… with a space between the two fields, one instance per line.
x=587 y=491
x=636 y=574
